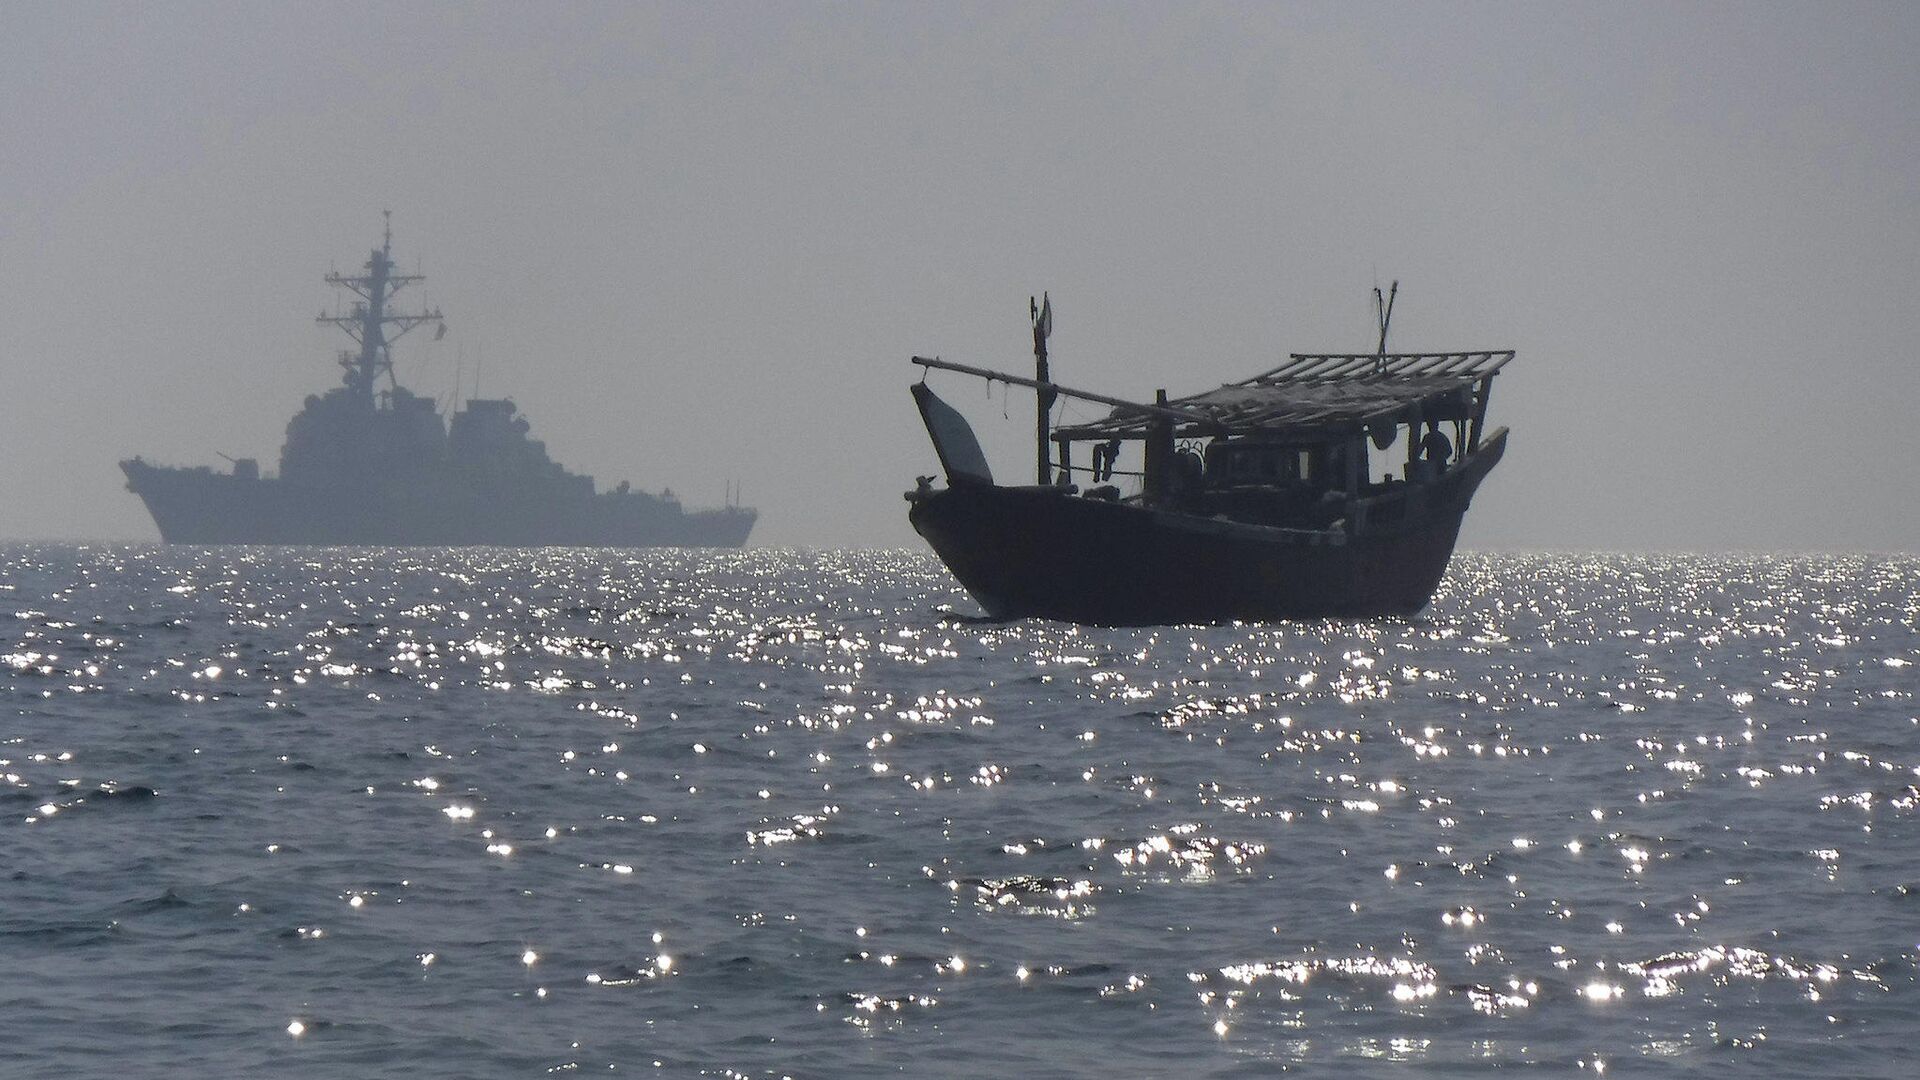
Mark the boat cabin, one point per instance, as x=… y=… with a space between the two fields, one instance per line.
x=1303 y=445
x=1298 y=445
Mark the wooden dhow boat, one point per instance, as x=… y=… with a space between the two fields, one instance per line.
x=1331 y=486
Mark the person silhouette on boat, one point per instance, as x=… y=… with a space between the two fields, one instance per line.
x=1435 y=450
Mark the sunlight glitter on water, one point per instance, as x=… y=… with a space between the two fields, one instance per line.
x=1585 y=808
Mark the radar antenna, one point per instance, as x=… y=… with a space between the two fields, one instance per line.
x=370 y=322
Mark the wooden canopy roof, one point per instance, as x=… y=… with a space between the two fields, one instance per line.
x=1317 y=392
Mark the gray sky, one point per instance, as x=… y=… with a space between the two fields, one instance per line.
x=697 y=242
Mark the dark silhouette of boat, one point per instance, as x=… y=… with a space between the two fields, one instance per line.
x=1257 y=501
x=371 y=464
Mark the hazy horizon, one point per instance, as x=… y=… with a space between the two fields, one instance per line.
x=697 y=244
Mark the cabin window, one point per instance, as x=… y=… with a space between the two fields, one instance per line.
x=1257 y=463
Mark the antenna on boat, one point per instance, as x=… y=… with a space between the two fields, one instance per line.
x=1383 y=309
x=1045 y=396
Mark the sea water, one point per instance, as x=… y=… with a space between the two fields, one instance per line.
x=352 y=813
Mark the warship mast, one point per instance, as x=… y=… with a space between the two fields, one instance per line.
x=368 y=320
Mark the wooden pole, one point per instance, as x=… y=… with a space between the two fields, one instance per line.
x=1386 y=315
x=1185 y=416
x=1479 y=413
x=1045 y=395
x=1158 y=453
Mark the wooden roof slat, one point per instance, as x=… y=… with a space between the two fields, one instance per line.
x=1356 y=365
x=1314 y=390
x=1306 y=366
x=1311 y=366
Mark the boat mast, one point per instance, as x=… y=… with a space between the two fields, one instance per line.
x=368 y=319
x=1045 y=396
x=1383 y=310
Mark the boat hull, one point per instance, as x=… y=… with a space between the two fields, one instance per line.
x=1043 y=552
x=200 y=506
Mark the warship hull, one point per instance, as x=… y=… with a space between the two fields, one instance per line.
x=200 y=506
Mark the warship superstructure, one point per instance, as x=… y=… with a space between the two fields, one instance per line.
x=371 y=462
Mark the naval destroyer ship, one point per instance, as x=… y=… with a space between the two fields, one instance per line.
x=370 y=462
